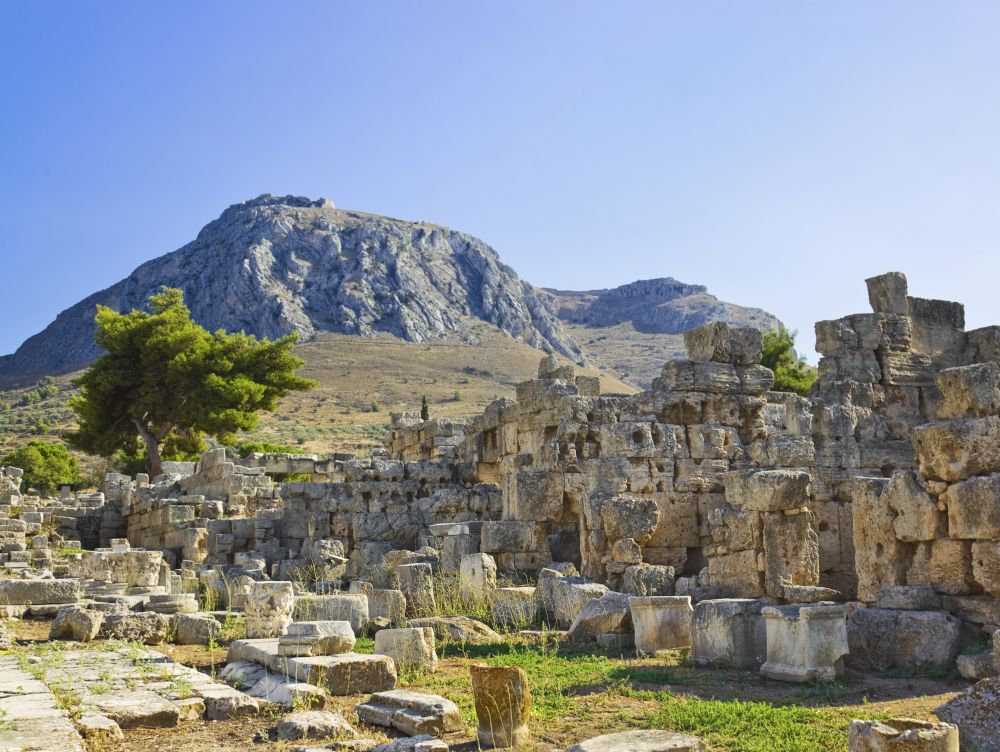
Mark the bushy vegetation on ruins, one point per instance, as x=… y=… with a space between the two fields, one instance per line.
x=791 y=372
x=163 y=378
x=46 y=465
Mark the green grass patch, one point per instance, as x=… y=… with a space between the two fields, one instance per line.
x=755 y=726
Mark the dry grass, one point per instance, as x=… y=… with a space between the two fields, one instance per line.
x=354 y=374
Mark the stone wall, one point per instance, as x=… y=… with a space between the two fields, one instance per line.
x=939 y=524
x=608 y=482
x=412 y=439
x=876 y=383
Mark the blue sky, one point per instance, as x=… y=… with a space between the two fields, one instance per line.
x=777 y=152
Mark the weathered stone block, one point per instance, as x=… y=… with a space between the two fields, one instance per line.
x=719 y=342
x=661 y=622
x=951 y=566
x=767 y=490
x=791 y=551
x=729 y=632
x=956 y=450
x=902 y=735
x=805 y=643
x=882 y=639
x=974 y=508
x=969 y=391
x=917 y=515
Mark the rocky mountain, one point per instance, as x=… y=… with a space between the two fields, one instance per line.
x=274 y=265
x=630 y=330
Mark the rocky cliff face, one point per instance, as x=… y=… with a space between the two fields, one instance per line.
x=653 y=306
x=274 y=265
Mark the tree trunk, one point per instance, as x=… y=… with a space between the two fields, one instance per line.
x=153 y=450
x=152 y=447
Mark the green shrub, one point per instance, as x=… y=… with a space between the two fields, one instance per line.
x=791 y=372
x=46 y=465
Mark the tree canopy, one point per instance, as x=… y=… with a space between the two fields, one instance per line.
x=791 y=372
x=46 y=466
x=163 y=380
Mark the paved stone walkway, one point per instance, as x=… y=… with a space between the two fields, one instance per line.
x=30 y=718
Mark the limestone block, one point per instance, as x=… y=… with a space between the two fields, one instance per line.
x=313 y=724
x=729 y=632
x=539 y=495
x=958 y=449
x=951 y=566
x=917 y=515
x=605 y=615
x=98 y=730
x=805 y=643
x=512 y=536
x=648 y=579
x=909 y=598
x=887 y=293
x=412 y=713
x=986 y=566
x=737 y=529
x=902 y=735
x=196 y=629
x=974 y=508
x=737 y=574
x=76 y=623
x=767 y=490
x=677 y=521
x=975 y=712
x=661 y=622
x=882 y=639
x=640 y=741
x=976 y=666
x=269 y=609
x=629 y=517
x=502 y=699
x=309 y=638
x=458 y=629
x=411 y=648
x=31 y=592
x=561 y=599
x=350 y=607
x=979 y=609
x=416 y=582
x=880 y=558
x=791 y=551
x=717 y=341
x=387 y=604
x=477 y=574
x=345 y=674
x=969 y=391
x=147 y=627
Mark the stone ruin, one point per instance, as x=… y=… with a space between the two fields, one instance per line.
x=763 y=530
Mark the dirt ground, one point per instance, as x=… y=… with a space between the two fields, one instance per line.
x=588 y=710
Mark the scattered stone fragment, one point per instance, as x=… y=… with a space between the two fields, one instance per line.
x=902 y=735
x=196 y=629
x=307 y=638
x=457 y=629
x=411 y=648
x=98 y=729
x=76 y=623
x=412 y=713
x=313 y=724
